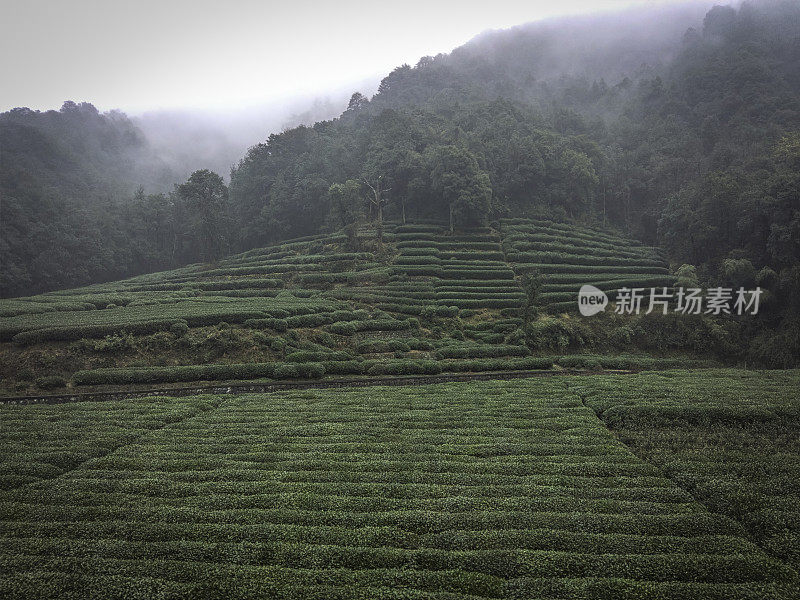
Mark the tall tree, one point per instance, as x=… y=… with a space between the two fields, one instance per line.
x=377 y=201
x=206 y=195
x=464 y=188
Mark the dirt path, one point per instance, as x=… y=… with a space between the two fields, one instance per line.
x=235 y=388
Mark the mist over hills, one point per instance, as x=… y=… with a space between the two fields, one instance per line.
x=674 y=123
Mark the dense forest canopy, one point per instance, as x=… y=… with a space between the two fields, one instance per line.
x=676 y=125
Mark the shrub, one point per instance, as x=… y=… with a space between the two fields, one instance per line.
x=50 y=382
x=125 y=376
x=550 y=333
x=344 y=367
x=376 y=324
x=72 y=333
x=310 y=320
x=498 y=364
x=271 y=323
x=299 y=370
x=373 y=346
x=343 y=328
x=405 y=367
x=317 y=356
x=580 y=362
x=477 y=351
x=179 y=328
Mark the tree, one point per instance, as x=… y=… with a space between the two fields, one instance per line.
x=580 y=179
x=377 y=201
x=346 y=203
x=357 y=101
x=206 y=195
x=463 y=187
x=531 y=285
x=686 y=277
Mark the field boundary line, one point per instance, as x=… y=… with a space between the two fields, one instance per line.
x=110 y=451
x=238 y=388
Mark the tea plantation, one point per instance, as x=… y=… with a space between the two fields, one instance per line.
x=422 y=301
x=731 y=438
x=569 y=256
x=461 y=490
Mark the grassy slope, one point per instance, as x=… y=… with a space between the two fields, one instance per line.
x=480 y=490
x=338 y=306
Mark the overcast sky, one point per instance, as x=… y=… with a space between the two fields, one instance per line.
x=149 y=54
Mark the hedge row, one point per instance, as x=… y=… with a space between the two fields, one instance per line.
x=606 y=272
x=244 y=371
x=586 y=249
x=579 y=259
x=417 y=228
x=481 y=295
x=591 y=361
x=259 y=319
x=125 y=376
x=480 y=274
x=65 y=334
x=268 y=323
x=307 y=356
x=487 y=303
x=319 y=364
x=238 y=284
x=424 y=311
x=452 y=285
x=569 y=231
x=488 y=351
x=531 y=363
x=351 y=327
x=611 y=284
x=483 y=254
x=393 y=345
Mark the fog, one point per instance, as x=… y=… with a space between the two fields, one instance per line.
x=205 y=81
x=597 y=45
x=608 y=46
x=190 y=139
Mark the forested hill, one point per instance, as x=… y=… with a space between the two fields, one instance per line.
x=62 y=176
x=697 y=153
x=675 y=124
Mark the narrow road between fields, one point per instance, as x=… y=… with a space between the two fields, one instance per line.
x=236 y=388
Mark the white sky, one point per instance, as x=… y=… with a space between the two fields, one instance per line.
x=147 y=54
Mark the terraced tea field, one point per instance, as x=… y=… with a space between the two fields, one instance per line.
x=424 y=302
x=568 y=256
x=479 y=490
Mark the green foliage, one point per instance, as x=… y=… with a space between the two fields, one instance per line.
x=687 y=277
x=729 y=438
x=50 y=382
x=480 y=351
x=458 y=180
x=346 y=203
x=179 y=328
x=319 y=493
x=738 y=273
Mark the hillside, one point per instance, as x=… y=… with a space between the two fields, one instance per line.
x=421 y=301
x=676 y=124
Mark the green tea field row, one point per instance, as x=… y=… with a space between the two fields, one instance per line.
x=478 y=490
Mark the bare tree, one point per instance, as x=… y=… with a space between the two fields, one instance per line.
x=378 y=202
